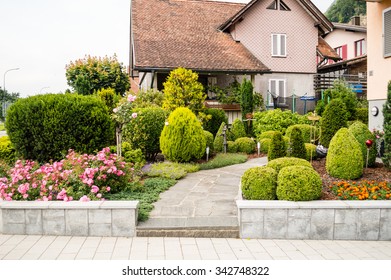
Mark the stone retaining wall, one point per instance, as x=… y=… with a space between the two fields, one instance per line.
x=94 y=218
x=322 y=220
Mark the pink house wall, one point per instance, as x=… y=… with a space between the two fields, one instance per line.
x=259 y=23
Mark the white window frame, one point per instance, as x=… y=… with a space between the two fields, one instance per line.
x=283 y=97
x=360 y=47
x=279 y=50
x=384 y=34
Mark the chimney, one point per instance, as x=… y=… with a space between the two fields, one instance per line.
x=355 y=20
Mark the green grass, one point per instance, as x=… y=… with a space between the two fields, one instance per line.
x=221 y=160
x=172 y=170
x=146 y=194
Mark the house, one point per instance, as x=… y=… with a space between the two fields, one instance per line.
x=379 y=58
x=349 y=41
x=271 y=42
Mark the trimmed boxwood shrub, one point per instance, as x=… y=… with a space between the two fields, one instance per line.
x=218 y=143
x=298 y=183
x=280 y=163
x=45 y=127
x=361 y=132
x=232 y=147
x=144 y=131
x=306 y=130
x=335 y=116
x=183 y=139
x=7 y=151
x=267 y=135
x=218 y=116
x=259 y=183
x=245 y=145
x=237 y=130
x=277 y=147
x=265 y=143
x=297 y=148
x=310 y=151
x=344 y=158
x=209 y=141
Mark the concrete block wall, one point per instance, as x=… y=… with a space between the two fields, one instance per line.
x=94 y=218
x=321 y=220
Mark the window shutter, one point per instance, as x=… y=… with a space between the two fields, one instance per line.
x=387 y=32
x=345 y=52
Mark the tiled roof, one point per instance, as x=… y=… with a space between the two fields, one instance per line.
x=326 y=51
x=168 y=34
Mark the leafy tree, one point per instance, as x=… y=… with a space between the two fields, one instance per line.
x=182 y=89
x=6 y=97
x=343 y=10
x=387 y=129
x=334 y=118
x=91 y=74
x=109 y=97
x=247 y=99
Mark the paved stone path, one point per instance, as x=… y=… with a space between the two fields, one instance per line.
x=202 y=199
x=21 y=247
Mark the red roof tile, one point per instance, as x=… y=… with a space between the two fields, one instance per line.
x=184 y=33
x=326 y=51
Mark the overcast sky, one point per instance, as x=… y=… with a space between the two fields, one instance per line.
x=41 y=36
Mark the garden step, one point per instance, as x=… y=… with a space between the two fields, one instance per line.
x=201 y=232
x=189 y=222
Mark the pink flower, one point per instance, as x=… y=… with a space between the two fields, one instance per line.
x=134 y=115
x=94 y=189
x=131 y=98
x=108 y=189
x=99 y=195
x=85 y=198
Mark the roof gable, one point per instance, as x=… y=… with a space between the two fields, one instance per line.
x=324 y=24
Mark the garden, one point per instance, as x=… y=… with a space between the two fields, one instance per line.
x=104 y=142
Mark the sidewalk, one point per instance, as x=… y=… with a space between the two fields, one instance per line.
x=17 y=247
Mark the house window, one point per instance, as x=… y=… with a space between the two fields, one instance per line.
x=277 y=87
x=280 y=4
x=279 y=45
x=212 y=82
x=342 y=51
x=387 y=32
x=359 y=48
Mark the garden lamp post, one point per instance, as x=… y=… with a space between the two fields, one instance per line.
x=3 y=101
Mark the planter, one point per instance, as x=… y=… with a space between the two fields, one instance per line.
x=94 y=218
x=321 y=220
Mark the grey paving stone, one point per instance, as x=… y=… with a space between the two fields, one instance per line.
x=368 y=224
x=13 y=216
x=53 y=222
x=322 y=224
x=252 y=215
x=34 y=224
x=99 y=229
x=123 y=223
x=299 y=223
x=76 y=222
x=99 y=216
x=345 y=224
x=385 y=224
x=275 y=223
x=251 y=230
x=14 y=228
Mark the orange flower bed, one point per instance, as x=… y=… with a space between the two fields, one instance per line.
x=364 y=190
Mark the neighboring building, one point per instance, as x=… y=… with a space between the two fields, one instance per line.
x=379 y=58
x=272 y=42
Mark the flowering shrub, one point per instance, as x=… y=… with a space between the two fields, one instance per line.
x=77 y=177
x=362 y=191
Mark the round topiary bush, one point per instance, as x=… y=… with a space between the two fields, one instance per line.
x=237 y=130
x=298 y=183
x=310 y=151
x=245 y=145
x=279 y=163
x=209 y=141
x=232 y=147
x=259 y=183
x=335 y=116
x=306 y=130
x=265 y=143
x=344 y=158
x=218 y=116
x=218 y=143
x=144 y=131
x=45 y=127
x=277 y=147
x=361 y=132
x=182 y=139
x=297 y=147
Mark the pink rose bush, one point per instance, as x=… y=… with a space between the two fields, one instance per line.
x=77 y=177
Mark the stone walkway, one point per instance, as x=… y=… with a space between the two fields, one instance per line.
x=201 y=200
x=21 y=247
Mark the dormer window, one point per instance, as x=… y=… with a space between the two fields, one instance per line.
x=278 y=5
